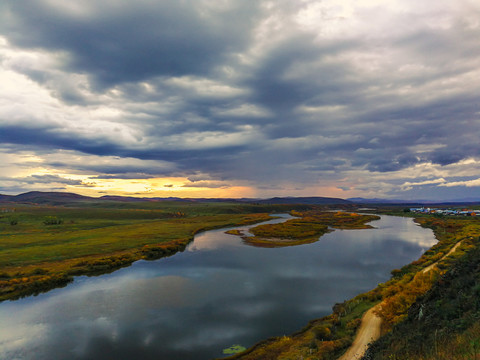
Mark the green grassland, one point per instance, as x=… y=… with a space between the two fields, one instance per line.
x=44 y=246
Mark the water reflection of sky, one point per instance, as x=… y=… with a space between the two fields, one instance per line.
x=216 y=293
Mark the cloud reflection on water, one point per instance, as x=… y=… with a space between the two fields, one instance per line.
x=194 y=304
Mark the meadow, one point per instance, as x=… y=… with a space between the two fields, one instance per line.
x=44 y=246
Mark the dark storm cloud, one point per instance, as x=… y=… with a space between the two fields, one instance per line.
x=38 y=181
x=49 y=137
x=316 y=82
x=120 y=42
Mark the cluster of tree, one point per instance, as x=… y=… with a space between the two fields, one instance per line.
x=151 y=252
x=18 y=286
x=102 y=265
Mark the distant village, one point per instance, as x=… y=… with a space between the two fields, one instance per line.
x=453 y=212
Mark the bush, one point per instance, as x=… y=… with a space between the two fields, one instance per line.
x=40 y=271
x=4 y=275
x=52 y=220
x=322 y=333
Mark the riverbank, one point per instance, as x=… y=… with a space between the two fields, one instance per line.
x=330 y=337
x=37 y=256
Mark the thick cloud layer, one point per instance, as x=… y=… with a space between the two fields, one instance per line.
x=350 y=98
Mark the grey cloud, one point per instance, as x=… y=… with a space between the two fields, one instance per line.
x=207 y=184
x=140 y=171
x=122 y=175
x=433 y=191
x=325 y=111
x=47 y=179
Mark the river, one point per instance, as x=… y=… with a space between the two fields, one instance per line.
x=217 y=293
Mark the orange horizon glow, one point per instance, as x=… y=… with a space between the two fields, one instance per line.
x=183 y=188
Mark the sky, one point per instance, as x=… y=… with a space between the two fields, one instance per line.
x=239 y=98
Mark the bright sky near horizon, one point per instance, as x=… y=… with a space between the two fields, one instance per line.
x=238 y=98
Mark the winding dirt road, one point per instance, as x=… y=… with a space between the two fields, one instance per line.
x=369 y=331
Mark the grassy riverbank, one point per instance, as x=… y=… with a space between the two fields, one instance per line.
x=329 y=337
x=43 y=247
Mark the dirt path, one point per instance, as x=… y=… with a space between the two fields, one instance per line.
x=452 y=250
x=369 y=331
x=370 y=327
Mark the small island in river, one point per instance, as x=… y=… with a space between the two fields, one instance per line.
x=307 y=228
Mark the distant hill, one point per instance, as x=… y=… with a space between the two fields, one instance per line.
x=123 y=198
x=39 y=197
x=315 y=200
x=4 y=197
x=359 y=200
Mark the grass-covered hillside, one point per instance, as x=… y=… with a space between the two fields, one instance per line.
x=444 y=323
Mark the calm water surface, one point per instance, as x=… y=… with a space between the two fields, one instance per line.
x=217 y=293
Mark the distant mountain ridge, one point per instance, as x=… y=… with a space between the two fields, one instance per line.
x=58 y=198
